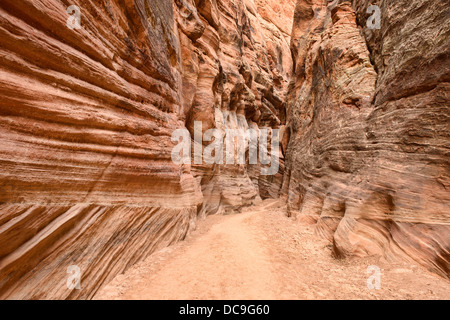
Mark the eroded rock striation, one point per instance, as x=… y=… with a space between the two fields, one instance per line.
x=236 y=66
x=87 y=117
x=87 y=114
x=368 y=128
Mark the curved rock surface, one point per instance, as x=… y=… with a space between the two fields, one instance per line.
x=87 y=117
x=236 y=66
x=368 y=121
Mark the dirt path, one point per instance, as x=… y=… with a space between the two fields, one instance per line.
x=262 y=254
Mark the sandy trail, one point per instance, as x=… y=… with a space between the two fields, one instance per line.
x=262 y=254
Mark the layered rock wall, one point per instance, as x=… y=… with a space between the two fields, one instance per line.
x=87 y=116
x=368 y=123
x=236 y=66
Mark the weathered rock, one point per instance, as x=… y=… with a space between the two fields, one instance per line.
x=367 y=116
x=86 y=122
x=87 y=117
x=235 y=76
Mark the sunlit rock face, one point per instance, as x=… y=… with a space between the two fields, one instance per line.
x=236 y=64
x=87 y=117
x=368 y=128
x=87 y=178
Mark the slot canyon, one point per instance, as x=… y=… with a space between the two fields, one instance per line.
x=87 y=177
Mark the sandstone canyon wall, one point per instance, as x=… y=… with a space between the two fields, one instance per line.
x=368 y=128
x=87 y=117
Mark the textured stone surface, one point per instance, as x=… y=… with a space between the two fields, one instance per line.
x=368 y=122
x=236 y=69
x=86 y=119
x=87 y=116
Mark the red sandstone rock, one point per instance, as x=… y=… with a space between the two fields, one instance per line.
x=87 y=116
x=367 y=116
x=86 y=122
x=234 y=76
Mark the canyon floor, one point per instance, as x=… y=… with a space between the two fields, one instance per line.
x=263 y=254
